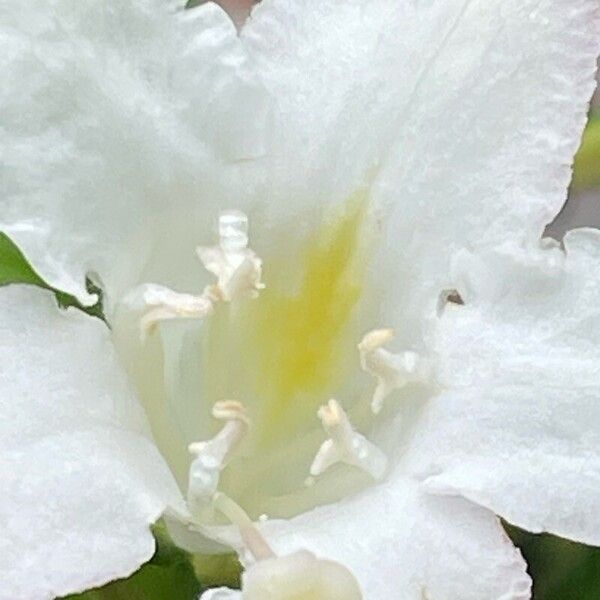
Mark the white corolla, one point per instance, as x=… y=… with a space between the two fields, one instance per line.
x=338 y=342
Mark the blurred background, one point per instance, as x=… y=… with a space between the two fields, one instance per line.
x=583 y=207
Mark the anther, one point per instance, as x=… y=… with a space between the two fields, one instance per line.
x=159 y=303
x=237 y=268
x=212 y=456
x=346 y=445
x=392 y=371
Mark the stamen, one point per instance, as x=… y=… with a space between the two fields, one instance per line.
x=166 y=304
x=237 y=268
x=212 y=456
x=253 y=539
x=346 y=445
x=393 y=371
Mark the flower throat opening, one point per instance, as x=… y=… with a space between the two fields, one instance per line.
x=284 y=354
x=251 y=368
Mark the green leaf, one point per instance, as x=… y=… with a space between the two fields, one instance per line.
x=16 y=269
x=169 y=575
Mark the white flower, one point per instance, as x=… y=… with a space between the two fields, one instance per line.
x=387 y=154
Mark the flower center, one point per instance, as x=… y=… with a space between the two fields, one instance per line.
x=284 y=354
x=294 y=342
x=248 y=368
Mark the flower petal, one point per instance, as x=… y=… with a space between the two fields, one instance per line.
x=402 y=543
x=81 y=481
x=106 y=126
x=515 y=428
x=221 y=594
x=467 y=114
x=111 y=116
x=481 y=101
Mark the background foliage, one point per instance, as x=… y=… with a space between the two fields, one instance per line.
x=561 y=570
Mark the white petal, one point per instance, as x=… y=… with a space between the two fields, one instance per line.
x=516 y=428
x=401 y=543
x=466 y=112
x=81 y=481
x=112 y=115
x=221 y=594
x=491 y=119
